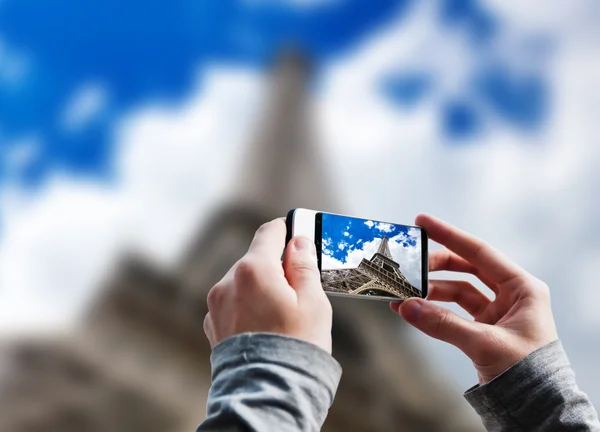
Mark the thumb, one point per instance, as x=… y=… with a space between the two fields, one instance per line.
x=300 y=265
x=440 y=323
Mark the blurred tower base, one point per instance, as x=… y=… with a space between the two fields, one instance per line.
x=139 y=360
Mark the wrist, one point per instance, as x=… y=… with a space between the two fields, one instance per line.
x=502 y=349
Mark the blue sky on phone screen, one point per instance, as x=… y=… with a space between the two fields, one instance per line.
x=347 y=240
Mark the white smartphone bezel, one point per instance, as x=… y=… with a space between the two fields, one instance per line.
x=303 y=223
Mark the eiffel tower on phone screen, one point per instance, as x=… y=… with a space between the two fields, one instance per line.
x=378 y=276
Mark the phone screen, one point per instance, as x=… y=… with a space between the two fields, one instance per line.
x=370 y=258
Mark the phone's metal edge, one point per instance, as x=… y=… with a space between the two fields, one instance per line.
x=366 y=297
x=289 y=225
x=425 y=264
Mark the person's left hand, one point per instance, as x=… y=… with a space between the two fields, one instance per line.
x=259 y=294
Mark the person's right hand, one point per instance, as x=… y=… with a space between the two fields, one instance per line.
x=505 y=330
x=260 y=294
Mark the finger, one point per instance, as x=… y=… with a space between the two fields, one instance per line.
x=208 y=330
x=446 y=260
x=441 y=323
x=301 y=269
x=485 y=258
x=460 y=292
x=269 y=240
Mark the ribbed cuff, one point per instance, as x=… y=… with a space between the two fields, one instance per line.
x=521 y=393
x=303 y=357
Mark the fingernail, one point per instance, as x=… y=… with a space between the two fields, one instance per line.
x=411 y=311
x=303 y=244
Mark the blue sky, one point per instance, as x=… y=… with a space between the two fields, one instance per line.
x=115 y=56
x=346 y=241
x=140 y=51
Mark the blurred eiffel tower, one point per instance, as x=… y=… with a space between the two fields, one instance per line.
x=138 y=359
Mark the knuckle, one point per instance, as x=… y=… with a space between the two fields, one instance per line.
x=206 y=324
x=479 y=247
x=263 y=227
x=303 y=266
x=537 y=286
x=208 y=330
x=247 y=270
x=478 y=309
x=522 y=282
x=458 y=295
x=441 y=321
x=214 y=297
x=542 y=289
x=481 y=250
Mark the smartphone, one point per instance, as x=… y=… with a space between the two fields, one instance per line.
x=365 y=258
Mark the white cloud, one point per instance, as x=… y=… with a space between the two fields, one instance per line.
x=342 y=245
x=53 y=250
x=560 y=17
x=533 y=196
x=385 y=227
x=370 y=224
x=58 y=244
x=408 y=256
x=85 y=104
x=346 y=234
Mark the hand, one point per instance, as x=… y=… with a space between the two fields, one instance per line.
x=259 y=294
x=505 y=330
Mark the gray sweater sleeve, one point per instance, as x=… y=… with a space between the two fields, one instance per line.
x=539 y=394
x=263 y=382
